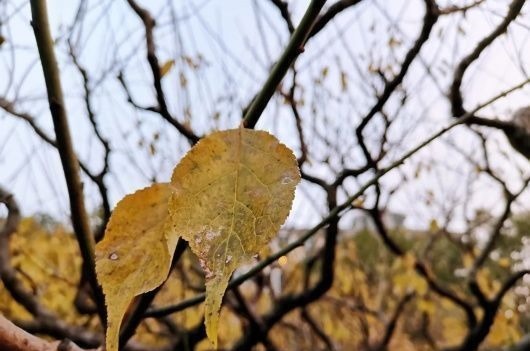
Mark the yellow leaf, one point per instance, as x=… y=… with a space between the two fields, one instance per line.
x=505 y=329
x=427 y=306
x=468 y=260
x=487 y=283
x=232 y=192
x=504 y=262
x=453 y=330
x=166 y=67
x=134 y=257
x=409 y=261
x=344 y=81
x=434 y=227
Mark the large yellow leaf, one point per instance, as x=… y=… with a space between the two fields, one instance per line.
x=134 y=257
x=232 y=192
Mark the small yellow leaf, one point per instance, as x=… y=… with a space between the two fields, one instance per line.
x=343 y=81
x=434 y=227
x=166 y=67
x=232 y=192
x=468 y=260
x=426 y=306
x=359 y=202
x=134 y=257
x=504 y=262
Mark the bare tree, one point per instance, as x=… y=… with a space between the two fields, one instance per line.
x=389 y=106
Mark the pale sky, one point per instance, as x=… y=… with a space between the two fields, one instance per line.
x=237 y=47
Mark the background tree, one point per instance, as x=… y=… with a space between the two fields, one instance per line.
x=390 y=107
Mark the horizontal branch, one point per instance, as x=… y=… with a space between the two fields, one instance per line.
x=336 y=211
x=13 y=338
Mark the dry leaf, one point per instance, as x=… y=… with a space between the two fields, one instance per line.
x=134 y=257
x=232 y=192
x=166 y=67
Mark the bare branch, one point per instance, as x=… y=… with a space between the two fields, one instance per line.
x=334 y=10
x=65 y=147
x=293 y=49
x=149 y=24
x=457 y=102
x=336 y=211
x=12 y=338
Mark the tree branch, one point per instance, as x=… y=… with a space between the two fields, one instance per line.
x=149 y=24
x=12 y=338
x=294 y=48
x=69 y=161
x=335 y=9
x=457 y=102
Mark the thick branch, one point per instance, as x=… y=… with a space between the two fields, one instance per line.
x=12 y=338
x=80 y=220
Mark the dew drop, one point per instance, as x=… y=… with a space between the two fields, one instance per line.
x=113 y=256
x=228 y=259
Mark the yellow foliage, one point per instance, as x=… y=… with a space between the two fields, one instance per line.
x=232 y=192
x=453 y=330
x=468 y=260
x=505 y=330
x=504 y=262
x=405 y=278
x=487 y=284
x=427 y=306
x=49 y=265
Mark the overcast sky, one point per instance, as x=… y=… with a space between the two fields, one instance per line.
x=235 y=48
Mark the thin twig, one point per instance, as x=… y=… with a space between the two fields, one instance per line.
x=336 y=211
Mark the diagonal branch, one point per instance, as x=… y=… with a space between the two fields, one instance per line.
x=336 y=211
x=294 y=48
x=12 y=338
